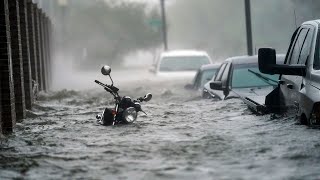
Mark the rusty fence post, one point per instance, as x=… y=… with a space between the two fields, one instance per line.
x=24 y=29
x=32 y=45
x=8 y=115
x=16 y=56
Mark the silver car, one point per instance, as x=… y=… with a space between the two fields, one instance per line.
x=240 y=77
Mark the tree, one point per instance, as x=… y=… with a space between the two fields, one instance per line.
x=106 y=32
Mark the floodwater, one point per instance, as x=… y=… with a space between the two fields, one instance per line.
x=182 y=137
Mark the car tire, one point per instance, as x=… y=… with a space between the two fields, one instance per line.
x=206 y=95
x=304 y=120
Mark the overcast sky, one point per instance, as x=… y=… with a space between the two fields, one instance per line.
x=149 y=1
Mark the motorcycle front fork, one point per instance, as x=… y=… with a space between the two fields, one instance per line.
x=115 y=114
x=100 y=117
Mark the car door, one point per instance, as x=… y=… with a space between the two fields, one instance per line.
x=225 y=80
x=197 y=79
x=218 y=77
x=291 y=85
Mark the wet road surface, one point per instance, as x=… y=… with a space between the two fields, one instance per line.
x=183 y=137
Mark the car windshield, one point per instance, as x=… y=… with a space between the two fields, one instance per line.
x=183 y=63
x=249 y=76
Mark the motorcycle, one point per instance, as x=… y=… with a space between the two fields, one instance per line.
x=125 y=110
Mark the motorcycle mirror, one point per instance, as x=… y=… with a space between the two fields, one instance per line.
x=106 y=70
x=147 y=97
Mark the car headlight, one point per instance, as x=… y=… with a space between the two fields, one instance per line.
x=130 y=115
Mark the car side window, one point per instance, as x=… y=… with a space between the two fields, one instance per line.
x=305 y=51
x=316 y=62
x=219 y=74
x=225 y=75
x=295 y=53
x=196 y=80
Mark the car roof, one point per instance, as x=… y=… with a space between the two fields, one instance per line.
x=317 y=21
x=251 y=59
x=209 y=66
x=243 y=59
x=184 y=53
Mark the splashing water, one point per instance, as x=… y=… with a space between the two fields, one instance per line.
x=183 y=137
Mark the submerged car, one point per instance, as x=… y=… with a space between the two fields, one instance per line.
x=239 y=77
x=299 y=84
x=204 y=74
x=181 y=64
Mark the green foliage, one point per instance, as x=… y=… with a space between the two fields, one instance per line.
x=108 y=31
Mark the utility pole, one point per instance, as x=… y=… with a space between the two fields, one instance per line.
x=249 y=27
x=63 y=8
x=164 y=25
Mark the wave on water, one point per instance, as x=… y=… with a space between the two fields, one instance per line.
x=182 y=137
x=58 y=95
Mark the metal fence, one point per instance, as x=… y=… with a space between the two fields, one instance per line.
x=25 y=58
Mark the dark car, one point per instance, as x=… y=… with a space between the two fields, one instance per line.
x=299 y=84
x=204 y=74
x=240 y=77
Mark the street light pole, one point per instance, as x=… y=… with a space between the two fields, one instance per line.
x=248 y=27
x=164 y=25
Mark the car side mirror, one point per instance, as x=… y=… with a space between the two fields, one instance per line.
x=267 y=60
x=268 y=65
x=147 y=97
x=106 y=70
x=216 y=85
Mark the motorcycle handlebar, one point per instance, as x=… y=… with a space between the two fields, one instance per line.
x=98 y=82
x=110 y=89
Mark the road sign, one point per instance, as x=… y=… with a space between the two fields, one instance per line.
x=155 y=23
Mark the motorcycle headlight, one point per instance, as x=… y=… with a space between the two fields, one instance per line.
x=130 y=115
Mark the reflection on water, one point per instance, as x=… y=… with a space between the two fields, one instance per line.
x=183 y=137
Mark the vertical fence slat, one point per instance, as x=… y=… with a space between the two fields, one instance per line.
x=38 y=45
x=24 y=29
x=51 y=49
x=42 y=49
x=6 y=76
x=32 y=44
x=47 y=49
x=16 y=56
x=0 y=112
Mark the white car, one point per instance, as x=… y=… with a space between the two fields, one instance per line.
x=181 y=64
